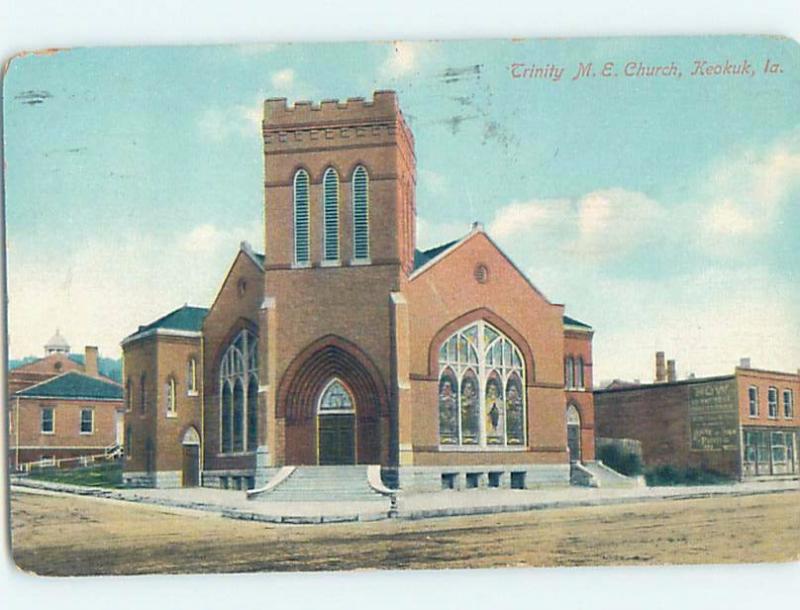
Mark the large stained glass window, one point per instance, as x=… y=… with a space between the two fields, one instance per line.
x=481 y=389
x=238 y=394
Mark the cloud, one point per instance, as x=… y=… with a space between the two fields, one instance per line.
x=694 y=319
x=108 y=287
x=283 y=80
x=403 y=59
x=524 y=218
x=434 y=182
x=219 y=124
x=615 y=221
x=746 y=193
x=600 y=225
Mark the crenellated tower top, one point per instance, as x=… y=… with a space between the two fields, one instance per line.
x=339 y=136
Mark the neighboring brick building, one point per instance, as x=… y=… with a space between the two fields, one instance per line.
x=67 y=416
x=742 y=425
x=344 y=344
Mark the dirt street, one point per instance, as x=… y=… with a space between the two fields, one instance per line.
x=67 y=535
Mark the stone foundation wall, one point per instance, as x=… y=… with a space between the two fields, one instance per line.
x=417 y=479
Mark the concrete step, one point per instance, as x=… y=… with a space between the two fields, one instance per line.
x=609 y=478
x=324 y=484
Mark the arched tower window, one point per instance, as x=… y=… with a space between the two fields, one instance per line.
x=482 y=397
x=330 y=198
x=238 y=392
x=302 y=253
x=360 y=213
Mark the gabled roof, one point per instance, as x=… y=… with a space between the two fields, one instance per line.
x=74 y=385
x=429 y=258
x=573 y=322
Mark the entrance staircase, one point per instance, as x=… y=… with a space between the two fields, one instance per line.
x=597 y=474
x=324 y=484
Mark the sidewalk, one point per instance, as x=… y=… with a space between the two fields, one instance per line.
x=234 y=504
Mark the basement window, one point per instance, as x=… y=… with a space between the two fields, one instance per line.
x=449 y=480
x=473 y=480
x=495 y=478
x=517 y=480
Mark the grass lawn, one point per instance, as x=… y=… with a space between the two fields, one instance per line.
x=100 y=475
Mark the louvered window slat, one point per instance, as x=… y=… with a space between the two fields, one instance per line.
x=331 y=209
x=360 y=214
x=301 y=218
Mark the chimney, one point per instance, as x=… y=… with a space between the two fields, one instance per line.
x=671 y=374
x=661 y=372
x=90 y=361
x=744 y=363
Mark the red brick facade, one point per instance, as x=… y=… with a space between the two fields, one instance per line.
x=29 y=443
x=706 y=423
x=372 y=324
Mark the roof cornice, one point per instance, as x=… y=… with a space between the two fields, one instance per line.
x=162 y=332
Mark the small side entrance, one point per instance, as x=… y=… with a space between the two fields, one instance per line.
x=191 y=458
x=336 y=425
x=574 y=434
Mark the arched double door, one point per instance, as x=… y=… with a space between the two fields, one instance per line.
x=336 y=425
x=334 y=407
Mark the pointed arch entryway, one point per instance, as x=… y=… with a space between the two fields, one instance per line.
x=191 y=457
x=574 y=432
x=334 y=406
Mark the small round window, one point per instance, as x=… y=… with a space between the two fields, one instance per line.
x=481 y=273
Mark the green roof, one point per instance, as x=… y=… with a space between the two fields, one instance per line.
x=573 y=322
x=74 y=385
x=421 y=257
x=188 y=318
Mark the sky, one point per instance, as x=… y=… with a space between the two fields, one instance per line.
x=663 y=211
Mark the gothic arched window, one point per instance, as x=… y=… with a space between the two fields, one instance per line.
x=481 y=389
x=569 y=372
x=302 y=251
x=579 y=373
x=238 y=392
x=360 y=213
x=330 y=187
x=169 y=397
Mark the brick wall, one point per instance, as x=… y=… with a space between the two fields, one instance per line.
x=658 y=416
x=235 y=308
x=25 y=430
x=446 y=297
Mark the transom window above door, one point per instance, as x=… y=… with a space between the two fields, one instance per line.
x=335 y=398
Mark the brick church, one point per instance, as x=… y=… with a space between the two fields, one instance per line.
x=344 y=344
